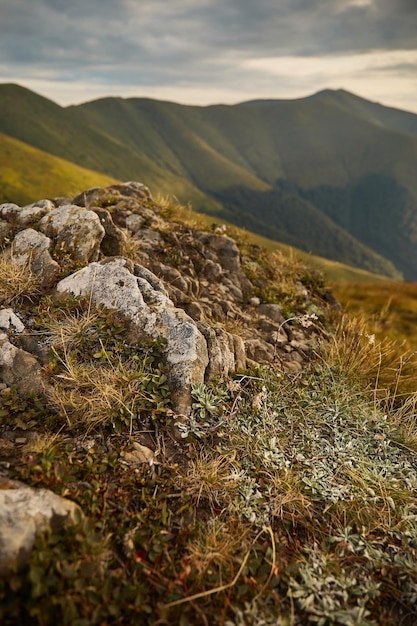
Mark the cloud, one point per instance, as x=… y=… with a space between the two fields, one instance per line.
x=200 y=45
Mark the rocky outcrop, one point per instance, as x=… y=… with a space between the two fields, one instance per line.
x=146 y=307
x=195 y=291
x=26 y=512
x=188 y=287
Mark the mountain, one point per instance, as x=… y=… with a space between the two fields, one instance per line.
x=333 y=173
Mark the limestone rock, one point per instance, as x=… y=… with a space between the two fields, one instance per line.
x=223 y=250
x=111 y=195
x=9 y=211
x=27 y=215
x=75 y=231
x=135 y=222
x=32 y=248
x=26 y=512
x=226 y=352
x=18 y=367
x=10 y=322
x=259 y=350
x=143 y=301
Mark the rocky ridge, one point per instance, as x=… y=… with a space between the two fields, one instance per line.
x=215 y=306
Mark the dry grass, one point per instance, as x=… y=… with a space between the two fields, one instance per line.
x=91 y=395
x=212 y=478
x=131 y=247
x=69 y=330
x=17 y=282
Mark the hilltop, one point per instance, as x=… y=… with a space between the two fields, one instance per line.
x=332 y=174
x=189 y=430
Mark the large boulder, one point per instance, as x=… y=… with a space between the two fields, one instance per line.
x=144 y=303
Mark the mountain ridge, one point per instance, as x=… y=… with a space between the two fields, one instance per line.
x=322 y=143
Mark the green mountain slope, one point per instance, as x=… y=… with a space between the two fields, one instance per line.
x=389 y=117
x=305 y=171
x=67 y=134
x=27 y=174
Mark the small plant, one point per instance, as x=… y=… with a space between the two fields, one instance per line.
x=208 y=407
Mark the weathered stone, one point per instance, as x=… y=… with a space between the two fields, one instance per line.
x=221 y=352
x=75 y=231
x=172 y=276
x=223 y=250
x=259 y=350
x=114 y=240
x=273 y=311
x=240 y=352
x=106 y=196
x=27 y=215
x=32 y=248
x=10 y=322
x=132 y=189
x=26 y=512
x=148 y=238
x=196 y=311
x=293 y=367
x=135 y=222
x=19 y=368
x=143 y=301
x=300 y=345
x=213 y=271
x=9 y=211
x=234 y=289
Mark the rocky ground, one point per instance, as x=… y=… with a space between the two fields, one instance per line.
x=140 y=354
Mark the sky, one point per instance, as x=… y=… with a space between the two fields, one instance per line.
x=210 y=51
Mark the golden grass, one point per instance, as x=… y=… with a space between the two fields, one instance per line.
x=17 y=281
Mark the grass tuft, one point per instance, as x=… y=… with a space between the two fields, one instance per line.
x=17 y=282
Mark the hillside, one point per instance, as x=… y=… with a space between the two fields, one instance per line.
x=26 y=173
x=333 y=161
x=190 y=433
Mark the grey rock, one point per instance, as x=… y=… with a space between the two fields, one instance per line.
x=18 y=367
x=27 y=215
x=223 y=250
x=273 y=311
x=32 y=248
x=221 y=351
x=75 y=230
x=9 y=211
x=107 y=196
x=10 y=322
x=135 y=222
x=259 y=350
x=148 y=238
x=143 y=301
x=26 y=512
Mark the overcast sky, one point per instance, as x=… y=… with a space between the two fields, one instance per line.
x=211 y=51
